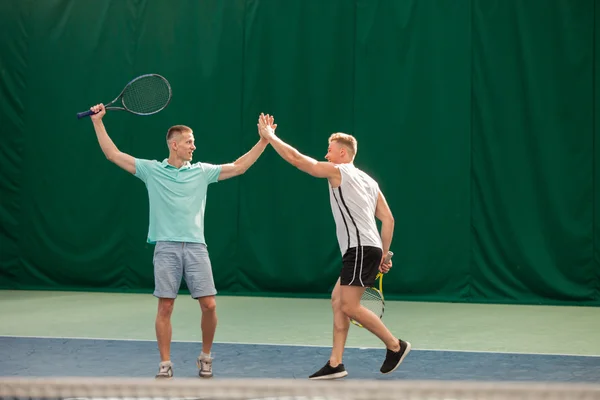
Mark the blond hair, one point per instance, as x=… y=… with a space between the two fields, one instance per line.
x=346 y=140
x=176 y=130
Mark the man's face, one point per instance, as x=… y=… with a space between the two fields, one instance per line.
x=335 y=153
x=184 y=146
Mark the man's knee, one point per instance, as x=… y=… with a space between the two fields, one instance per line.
x=165 y=307
x=349 y=309
x=336 y=300
x=208 y=304
x=350 y=299
x=336 y=297
x=336 y=304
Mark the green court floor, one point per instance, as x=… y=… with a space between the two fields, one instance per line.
x=429 y=326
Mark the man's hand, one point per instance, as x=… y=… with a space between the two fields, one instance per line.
x=385 y=267
x=262 y=138
x=266 y=126
x=99 y=110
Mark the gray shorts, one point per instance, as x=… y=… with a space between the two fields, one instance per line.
x=174 y=260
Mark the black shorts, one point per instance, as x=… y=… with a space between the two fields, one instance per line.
x=360 y=268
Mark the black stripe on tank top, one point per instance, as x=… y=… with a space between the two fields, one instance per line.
x=343 y=218
x=351 y=219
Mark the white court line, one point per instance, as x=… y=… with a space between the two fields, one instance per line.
x=303 y=345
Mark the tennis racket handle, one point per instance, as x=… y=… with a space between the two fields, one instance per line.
x=389 y=256
x=85 y=114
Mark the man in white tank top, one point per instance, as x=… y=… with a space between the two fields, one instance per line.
x=356 y=201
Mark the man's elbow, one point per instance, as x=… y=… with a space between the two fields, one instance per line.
x=388 y=220
x=112 y=156
x=240 y=169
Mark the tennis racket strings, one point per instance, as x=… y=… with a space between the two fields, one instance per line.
x=147 y=95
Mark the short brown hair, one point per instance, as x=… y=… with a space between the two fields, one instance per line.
x=347 y=140
x=176 y=130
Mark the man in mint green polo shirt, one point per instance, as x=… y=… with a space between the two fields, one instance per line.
x=177 y=197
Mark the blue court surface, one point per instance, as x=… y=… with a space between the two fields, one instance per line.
x=46 y=357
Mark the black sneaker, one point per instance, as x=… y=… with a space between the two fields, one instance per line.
x=393 y=359
x=328 y=372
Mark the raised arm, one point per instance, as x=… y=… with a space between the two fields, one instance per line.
x=304 y=163
x=109 y=149
x=241 y=165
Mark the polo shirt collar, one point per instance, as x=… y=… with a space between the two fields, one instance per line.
x=165 y=164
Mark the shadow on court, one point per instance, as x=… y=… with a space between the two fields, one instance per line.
x=103 y=358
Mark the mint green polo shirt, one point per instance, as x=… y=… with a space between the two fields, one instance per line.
x=177 y=198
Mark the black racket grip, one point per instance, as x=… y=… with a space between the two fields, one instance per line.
x=85 y=114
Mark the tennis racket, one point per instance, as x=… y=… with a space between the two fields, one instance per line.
x=372 y=298
x=144 y=95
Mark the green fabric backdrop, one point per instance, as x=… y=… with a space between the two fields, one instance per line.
x=477 y=117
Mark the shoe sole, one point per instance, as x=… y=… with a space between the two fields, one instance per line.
x=337 y=375
x=408 y=347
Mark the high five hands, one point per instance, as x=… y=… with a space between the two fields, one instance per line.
x=266 y=126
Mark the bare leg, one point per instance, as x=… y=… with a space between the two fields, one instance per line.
x=208 y=305
x=341 y=324
x=352 y=308
x=163 y=327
